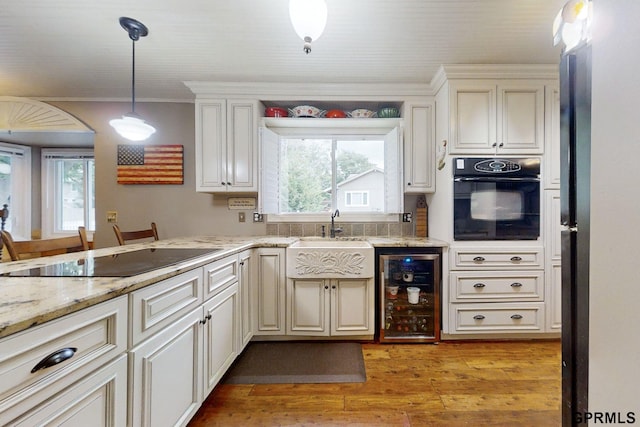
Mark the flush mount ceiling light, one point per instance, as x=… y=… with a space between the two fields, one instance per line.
x=572 y=25
x=308 y=17
x=131 y=126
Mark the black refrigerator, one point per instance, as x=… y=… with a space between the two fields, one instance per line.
x=575 y=156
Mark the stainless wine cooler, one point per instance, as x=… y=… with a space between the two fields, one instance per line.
x=409 y=289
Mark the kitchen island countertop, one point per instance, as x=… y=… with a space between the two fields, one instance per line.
x=30 y=301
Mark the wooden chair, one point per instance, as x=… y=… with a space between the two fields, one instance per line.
x=124 y=236
x=4 y=214
x=45 y=247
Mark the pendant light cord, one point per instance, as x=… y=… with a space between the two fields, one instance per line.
x=133 y=77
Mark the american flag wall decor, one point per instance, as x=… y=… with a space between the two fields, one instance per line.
x=150 y=164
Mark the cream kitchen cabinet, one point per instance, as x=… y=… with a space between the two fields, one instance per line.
x=69 y=370
x=166 y=374
x=551 y=166
x=496 y=290
x=269 y=292
x=330 y=307
x=245 y=285
x=419 y=147
x=553 y=260
x=496 y=116
x=191 y=338
x=227 y=145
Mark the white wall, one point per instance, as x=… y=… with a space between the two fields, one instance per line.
x=614 y=342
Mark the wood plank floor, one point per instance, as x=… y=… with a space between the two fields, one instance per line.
x=514 y=383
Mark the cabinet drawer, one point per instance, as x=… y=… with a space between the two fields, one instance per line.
x=98 y=334
x=497 y=258
x=497 y=286
x=157 y=306
x=219 y=275
x=489 y=318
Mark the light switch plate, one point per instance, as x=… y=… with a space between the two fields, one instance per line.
x=241 y=217
x=112 y=216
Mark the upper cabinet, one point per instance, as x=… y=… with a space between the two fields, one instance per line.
x=497 y=117
x=419 y=147
x=552 y=138
x=227 y=145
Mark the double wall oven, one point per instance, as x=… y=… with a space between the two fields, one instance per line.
x=496 y=198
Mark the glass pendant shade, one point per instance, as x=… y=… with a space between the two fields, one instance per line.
x=572 y=25
x=132 y=127
x=308 y=17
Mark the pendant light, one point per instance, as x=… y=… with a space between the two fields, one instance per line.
x=131 y=126
x=308 y=17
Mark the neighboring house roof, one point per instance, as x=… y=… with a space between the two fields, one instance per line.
x=355 y=177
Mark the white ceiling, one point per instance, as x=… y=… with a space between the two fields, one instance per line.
x=77 y=49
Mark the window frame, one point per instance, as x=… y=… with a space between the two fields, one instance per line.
x=19 y=221
x=50 y=190
x=308 y=128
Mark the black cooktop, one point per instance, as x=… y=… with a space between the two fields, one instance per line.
x=118 y=265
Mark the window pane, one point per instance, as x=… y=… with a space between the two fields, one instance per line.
x=360 y=172
x=72 y=189
x=5 y=179
x=90 y=223
x=305 y=184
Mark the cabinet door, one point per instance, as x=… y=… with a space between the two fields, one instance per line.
x=552 y=137
x=269 y=292
x=308 y=307
x=245 y=284
x=242 y=143
x=222 y=335
x=352 y=307
x=473 y=116
x=520 y=125
x=554 y=297
x=211 y=145
x=99 y=399
x=165 y=370
x=419 y=148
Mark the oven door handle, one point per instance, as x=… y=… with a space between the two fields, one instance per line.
x=495 y=179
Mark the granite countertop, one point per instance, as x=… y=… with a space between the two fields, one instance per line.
x=30 y=301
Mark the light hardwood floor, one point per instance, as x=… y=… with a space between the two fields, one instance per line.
x=514 y=383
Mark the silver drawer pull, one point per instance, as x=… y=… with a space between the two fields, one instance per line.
x=479 y=259
x=516 y=259
x=55 y=358
x=516 y=285
x=516 y=317
x=478 y=317
x=479 y=285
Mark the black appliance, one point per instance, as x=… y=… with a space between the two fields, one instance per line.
x=496 y=198
x=409 y=294
x=125 y=264
x=575 y=155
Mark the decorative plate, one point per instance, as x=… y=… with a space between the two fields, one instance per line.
x=362 y=114
x=306 y=111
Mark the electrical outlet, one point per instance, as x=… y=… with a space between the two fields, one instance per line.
x=257 y=217
x=241 y=216
x=112 y=216
x=407 y=217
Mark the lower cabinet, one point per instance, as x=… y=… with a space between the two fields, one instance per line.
x=165 y=374
x=330 y=307
x=269 y=291
x=99 y=399
x=221 y=338
x=70 y=371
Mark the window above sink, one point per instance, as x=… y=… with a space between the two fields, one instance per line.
x=309 y=172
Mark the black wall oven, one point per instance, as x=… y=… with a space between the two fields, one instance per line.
x=496 y=198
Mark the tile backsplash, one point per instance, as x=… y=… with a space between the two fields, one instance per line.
x=367 y=229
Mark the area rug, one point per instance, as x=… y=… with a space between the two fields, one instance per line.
x=298 y=363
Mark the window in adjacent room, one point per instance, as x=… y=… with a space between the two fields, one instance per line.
x=68 y=189
x=15 y=188
x=308 y=173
